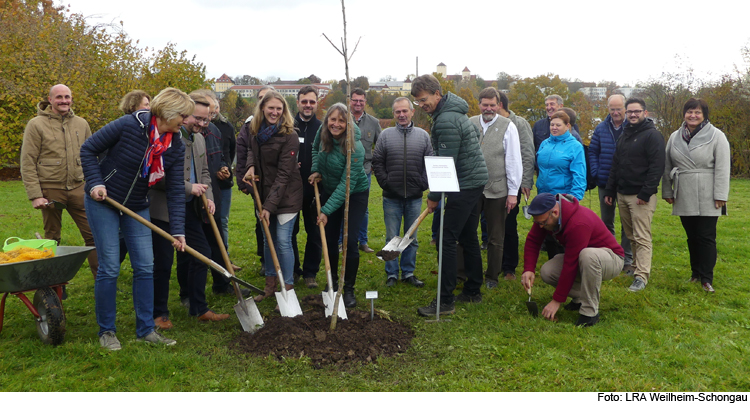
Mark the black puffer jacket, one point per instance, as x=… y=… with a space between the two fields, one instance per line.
x=638 y=164
x=126 y=141
x=398 y=161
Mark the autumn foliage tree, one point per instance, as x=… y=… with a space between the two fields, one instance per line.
x=527 y=95
x=42 y=45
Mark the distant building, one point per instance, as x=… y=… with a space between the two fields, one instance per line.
x=223 y=83
x=392 y=87
x=442 y=69
x=627 y=92
x=251 y=91
x=465 y=75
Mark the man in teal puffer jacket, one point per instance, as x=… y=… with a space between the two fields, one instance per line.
x=455 y=136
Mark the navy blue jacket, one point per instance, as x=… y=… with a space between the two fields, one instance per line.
x=602 y=150
x=126 y=141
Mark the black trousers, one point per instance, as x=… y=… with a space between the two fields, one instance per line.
x=357 y=208
x=313 y=247
x=191 y=273
x=510 y=242
x=460 y=227
x=701 y=241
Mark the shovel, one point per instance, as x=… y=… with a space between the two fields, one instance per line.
x=56 y=205
x=526 y=208
x=246 y=309
x=531 y=306
x=397 y=245
x=328 y=297
x=287 y=299
x=202 y=258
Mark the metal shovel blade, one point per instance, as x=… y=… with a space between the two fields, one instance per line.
x=525 y=209
x=328 y=300
x=391 y=250
x=288 y=303
x=248 y=314
x=532 y=307
x=56 y=205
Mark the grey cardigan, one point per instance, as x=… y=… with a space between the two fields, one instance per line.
x=157 y=194
x=697 y=173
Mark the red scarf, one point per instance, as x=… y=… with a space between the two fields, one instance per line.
x=153 y=165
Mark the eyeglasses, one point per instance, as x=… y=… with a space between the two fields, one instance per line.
x=309 y=102
x=419 y=102
x=634 y=112
x=543 y=223
x=358 y=101
x=201 y=120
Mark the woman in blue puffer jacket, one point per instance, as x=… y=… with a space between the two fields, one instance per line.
x=561 y=160
x=562 y=167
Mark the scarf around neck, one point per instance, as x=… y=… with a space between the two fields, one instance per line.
x=153 y=164
x=687 y=135
x=266 y=132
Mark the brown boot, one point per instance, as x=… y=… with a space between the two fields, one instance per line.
x=269 y=289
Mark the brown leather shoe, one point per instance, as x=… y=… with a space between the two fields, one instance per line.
x=163 y=323
x=236 y=268
x=510 y=276
x=211 y=316
x=365 y=248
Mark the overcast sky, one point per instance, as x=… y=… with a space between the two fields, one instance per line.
x=592 y=40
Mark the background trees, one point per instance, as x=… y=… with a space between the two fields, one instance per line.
x=42 y=45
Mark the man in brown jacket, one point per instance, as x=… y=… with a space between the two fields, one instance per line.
x=51 y=166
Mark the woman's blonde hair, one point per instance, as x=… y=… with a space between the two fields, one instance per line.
x=326 y=138
x=286 y=122
x=170 y=103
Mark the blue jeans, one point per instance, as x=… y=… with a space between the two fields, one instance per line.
x=362 y=235
x=282 y=242
x=394 y=210
x=106 y=222
x=226 y=203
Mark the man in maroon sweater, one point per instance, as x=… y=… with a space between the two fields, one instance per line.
x=591 y=255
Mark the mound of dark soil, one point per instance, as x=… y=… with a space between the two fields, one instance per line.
x=356 y=339
x=10 y=174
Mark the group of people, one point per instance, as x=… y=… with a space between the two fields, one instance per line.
x=626 y=159
x=169 y=155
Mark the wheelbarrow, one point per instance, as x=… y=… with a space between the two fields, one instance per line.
x=47 y=277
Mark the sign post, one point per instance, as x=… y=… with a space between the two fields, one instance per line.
x=442 y=178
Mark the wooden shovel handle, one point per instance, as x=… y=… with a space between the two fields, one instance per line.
x=223 y=249
x=267 y=231
x=323 y=241
x=202 y=258
x=419 y=221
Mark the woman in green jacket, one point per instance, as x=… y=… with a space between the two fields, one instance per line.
x=329 y=170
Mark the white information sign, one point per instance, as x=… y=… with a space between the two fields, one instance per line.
x=371 y=295
x=441 y=174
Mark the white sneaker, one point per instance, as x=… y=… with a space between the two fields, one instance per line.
x=109 y=341
x=155 y=338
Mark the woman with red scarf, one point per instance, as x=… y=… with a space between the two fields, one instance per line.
x=141 y=148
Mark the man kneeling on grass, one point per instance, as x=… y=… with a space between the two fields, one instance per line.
x=591 y=255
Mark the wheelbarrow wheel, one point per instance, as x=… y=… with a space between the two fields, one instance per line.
x=51 y=323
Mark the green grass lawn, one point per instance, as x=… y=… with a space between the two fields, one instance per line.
x=670 y=337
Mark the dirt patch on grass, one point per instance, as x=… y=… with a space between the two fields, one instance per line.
x=356 y=339
x=10 y=174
